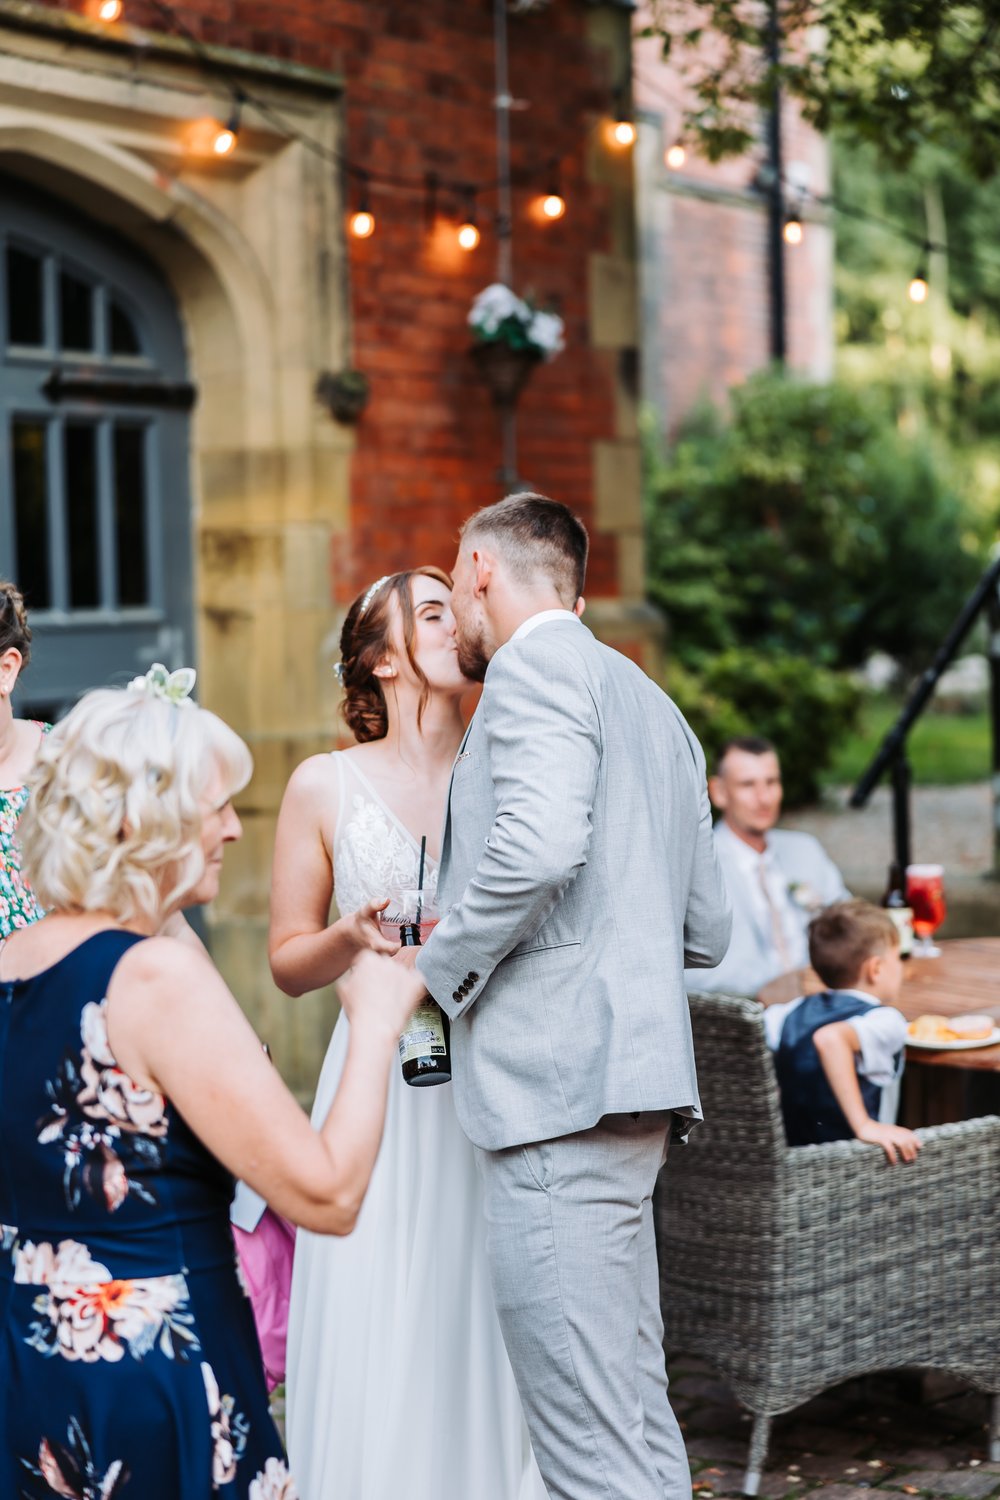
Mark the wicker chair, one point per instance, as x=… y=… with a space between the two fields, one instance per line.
x=790 y=1270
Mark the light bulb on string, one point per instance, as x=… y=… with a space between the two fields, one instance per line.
x=553 y=204
x=919 y=289
x=676 y=155
x=792 y=232
x=227 y=135
x=468 y=230
x=362 y=220
x=623 y=131
x=109 y=10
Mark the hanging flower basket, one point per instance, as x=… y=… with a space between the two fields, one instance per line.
x=512 y=337
x=505 y=370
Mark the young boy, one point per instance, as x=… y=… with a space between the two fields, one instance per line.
x=839 y=1055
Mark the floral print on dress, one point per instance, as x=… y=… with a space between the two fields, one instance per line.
x=70 y=1470
x=18 y=907
x=273 y=1483
x=86 y=1314
x=109 y=1126
x=229 y=1428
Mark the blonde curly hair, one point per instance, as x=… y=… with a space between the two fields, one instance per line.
x=113 y=818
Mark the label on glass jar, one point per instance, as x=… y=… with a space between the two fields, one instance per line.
x=903 y=918
x=424 y=1037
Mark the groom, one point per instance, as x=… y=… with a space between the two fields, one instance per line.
x=580 y=872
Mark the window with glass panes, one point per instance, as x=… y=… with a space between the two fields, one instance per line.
x=94 y=495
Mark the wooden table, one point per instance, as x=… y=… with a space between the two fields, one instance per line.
x=965 y=979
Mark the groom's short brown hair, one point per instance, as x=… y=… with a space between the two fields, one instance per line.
x=536 y=535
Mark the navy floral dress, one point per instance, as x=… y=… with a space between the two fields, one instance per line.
x=129 y=1362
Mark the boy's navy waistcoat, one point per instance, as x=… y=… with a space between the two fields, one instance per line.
x=812 y=1114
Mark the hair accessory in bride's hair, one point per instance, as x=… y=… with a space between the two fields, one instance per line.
x=173 y=687
x=339 y=671
x=372 y=592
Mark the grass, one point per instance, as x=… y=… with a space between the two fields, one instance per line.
x=945 y=749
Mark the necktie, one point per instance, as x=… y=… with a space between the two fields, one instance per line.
x=777 y=925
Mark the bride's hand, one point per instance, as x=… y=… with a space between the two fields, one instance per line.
x=377 y=991
x=365 y=931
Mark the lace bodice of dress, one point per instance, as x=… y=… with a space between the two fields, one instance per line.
x=374 y=856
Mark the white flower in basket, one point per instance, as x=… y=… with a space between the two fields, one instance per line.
x=500 y=316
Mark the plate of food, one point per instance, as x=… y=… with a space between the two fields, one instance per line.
x=952 y=1033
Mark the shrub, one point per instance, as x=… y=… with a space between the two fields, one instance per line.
x=806 y=710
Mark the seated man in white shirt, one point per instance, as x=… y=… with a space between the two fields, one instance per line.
x=839 y=1054
x=777 y=880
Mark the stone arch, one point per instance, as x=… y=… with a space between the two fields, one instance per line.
x=222 y=292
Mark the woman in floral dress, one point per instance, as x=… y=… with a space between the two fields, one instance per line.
x=19 y=740
x=132 y=1090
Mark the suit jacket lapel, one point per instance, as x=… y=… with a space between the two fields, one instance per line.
x=446 y=836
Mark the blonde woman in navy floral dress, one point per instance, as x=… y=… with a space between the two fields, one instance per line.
x=132 y=1089
x=19 y=740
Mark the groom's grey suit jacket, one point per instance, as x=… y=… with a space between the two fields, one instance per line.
x=581 y=876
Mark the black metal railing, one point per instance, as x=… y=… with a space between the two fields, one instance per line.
x=891 y=755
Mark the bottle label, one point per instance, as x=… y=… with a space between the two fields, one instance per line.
x=903 y=918
x=424 y=1037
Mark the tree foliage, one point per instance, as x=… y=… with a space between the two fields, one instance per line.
x=896 y=72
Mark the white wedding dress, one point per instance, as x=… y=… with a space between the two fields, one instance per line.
x=399 y=1386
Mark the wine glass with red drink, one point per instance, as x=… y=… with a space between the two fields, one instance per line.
x=925 y=893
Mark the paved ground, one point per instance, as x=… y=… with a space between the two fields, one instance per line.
x=952 y=826
x=897 y=1435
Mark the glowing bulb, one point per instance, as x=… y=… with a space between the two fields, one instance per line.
x=793 y=232
x=918 y=288
x=468 y=236
x=675 y=156
x=624 y=133
x=553 y=206
x=109 y=10
x=362 y=224
x=225 y=140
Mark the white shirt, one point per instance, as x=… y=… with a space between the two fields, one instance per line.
x=751 y=868
x=881 y=1034
x=543 y=616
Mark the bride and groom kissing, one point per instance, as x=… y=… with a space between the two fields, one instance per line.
x=502 y=1278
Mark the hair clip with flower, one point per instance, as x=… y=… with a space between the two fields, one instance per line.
x=172 y=687
x=370 y=595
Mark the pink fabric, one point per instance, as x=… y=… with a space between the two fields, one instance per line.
x=266 y=1258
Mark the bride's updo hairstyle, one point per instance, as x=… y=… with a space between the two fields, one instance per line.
x=366 y=641
x=15 y=633
x=113 y=821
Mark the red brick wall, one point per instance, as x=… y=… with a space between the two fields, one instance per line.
x=705 y=267
x=419 y=91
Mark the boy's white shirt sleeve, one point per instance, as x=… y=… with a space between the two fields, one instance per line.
x=881 y=1034
x=775 y=1017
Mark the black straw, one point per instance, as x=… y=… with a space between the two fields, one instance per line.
x=420 y=879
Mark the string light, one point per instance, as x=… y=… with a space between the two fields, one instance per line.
x=918 y=288
x=793 y=232
x=227 y=135
x=623 y=131
x=676 y=155
x=109 y=10
x=468 y=231
x=362 y=220
x=553 y=203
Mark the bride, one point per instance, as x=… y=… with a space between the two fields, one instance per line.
x=398 y=1380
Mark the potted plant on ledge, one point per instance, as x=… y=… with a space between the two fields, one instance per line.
x=511 y=338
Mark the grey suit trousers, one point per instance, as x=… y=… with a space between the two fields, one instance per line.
x=573 y=1261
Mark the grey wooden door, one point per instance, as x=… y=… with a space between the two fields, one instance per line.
x=95 y=506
